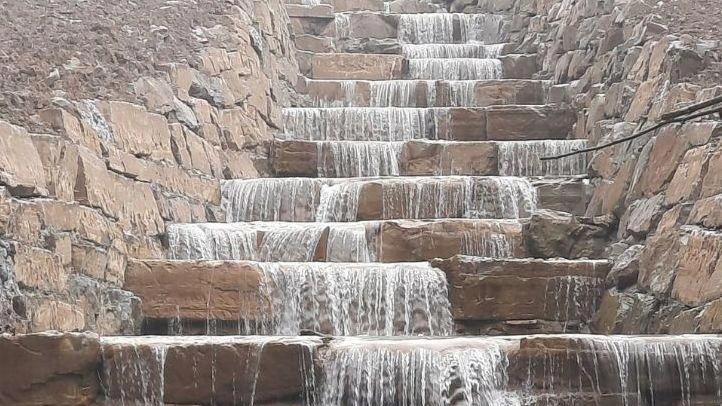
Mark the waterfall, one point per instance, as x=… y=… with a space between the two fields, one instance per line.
x=358 y=372
x=350 y=159
x=270 y=241
x=357 y=124
x=416 y=51
x=401 y=93
x=342 y=23
x=271 y=199
x=339 y=202
x=484 y=241
x=455 y=69
x=438 y=28
x=355 y=299
x=135 y=374
x=216 y=241
x=521 y=158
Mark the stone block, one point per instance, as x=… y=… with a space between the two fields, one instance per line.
x=136 y=131
x=357 y=66
x=21 y=169
x=514 y=123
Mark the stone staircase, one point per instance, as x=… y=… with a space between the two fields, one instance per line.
x=401 y=206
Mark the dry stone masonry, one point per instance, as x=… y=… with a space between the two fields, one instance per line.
x=335 y=202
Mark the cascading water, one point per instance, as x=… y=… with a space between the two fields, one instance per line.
x=438 y=28
x=359 y=372
x=401 y=93
x=354 y=299
x=522 y=158
x=357 y=124
x=471 y=50
x=338 y=200
x=349 y=159
x=270 y=241
x=455 y=69
x=134 y=374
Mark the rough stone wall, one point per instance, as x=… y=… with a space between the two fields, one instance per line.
x=123 y=118
x=621 y=65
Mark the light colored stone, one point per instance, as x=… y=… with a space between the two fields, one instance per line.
x=21 y=169
x=137 y=131
x=39 y=269
x=357 y=66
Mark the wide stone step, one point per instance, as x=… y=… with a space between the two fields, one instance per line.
x=397 y=6
x=407 y=28
x=369 y=241
x=495 y=123
x=265 y=298
x=522 y=296
x=429 y=197
x=487 y=296
x=562 y=370
x=425 y=93
x=374 y=66
x=344 y=159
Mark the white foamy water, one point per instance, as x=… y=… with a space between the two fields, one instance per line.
x=438 y=28
x=522 y=158
x=455 y=69
x=354 y=299
x=471 y=50
x=339 y=200
x=349 y=159
x=460 y=371
x=357 y=124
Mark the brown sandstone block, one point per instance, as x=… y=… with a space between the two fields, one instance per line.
x=21 y=169
x=357 y=66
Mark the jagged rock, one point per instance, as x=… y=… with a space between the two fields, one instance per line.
x=21 y=170
x=624 y=312
x=625 y=271
x=553 y=234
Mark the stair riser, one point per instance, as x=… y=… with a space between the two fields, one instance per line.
x=425 y=158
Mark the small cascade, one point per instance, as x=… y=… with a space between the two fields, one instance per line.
x=359 y=372
x=339 y=202
x=472 y=50
x=135 y=374
x=522 y=158
x=354 y=299
x=438 y=28
x=269 y=241
x=485 y=243
x=455 y=69
x=401 y=93
x=342 y=23
x=349 y=159
x=357 y=124
x=462 y=93
x=292 y=199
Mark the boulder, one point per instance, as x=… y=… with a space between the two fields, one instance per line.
x=625 y=271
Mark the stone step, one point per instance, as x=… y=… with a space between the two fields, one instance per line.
x=485 y=296
x=427 y=197
x=521 y=296
x=346 y=159
x=563 y=370
x=407 y=28
x=367 y=66
x=397 y=6
x=425 y=93
x=494 y=123
x=368 y=241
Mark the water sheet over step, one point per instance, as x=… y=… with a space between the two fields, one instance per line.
x=339 y=200
x=455 y=69
x=191 y=297
x=383 y=241
x=526 y=370
x=449 y=28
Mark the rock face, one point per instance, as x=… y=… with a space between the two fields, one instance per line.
x=92 y=178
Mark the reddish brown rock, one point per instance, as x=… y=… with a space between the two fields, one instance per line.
x=357 y=66
x=712 y=184
x=699 y=274
x=21 y=169
x=625 y=271
x=484 y=289
x=49 y=369
x=519 y=66
x=514 y=123
x=553 y=234
x=461 y=124
x=571 y=196
x=136 y=131
x=212 y=370
x=707 y=212
x=405 y=240
x=196 y=290
x=39 y=269
x=658 y=263
x=427 y=158
x=687 y=180
x=296 y=158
